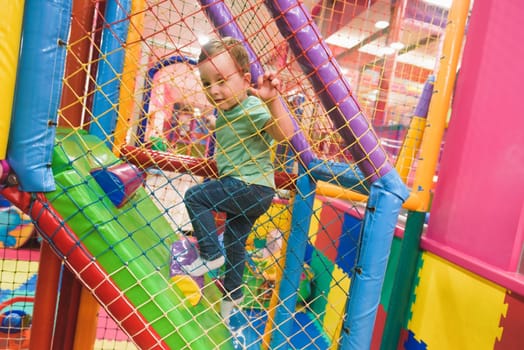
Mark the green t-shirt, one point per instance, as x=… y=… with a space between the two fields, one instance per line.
x=243 y=150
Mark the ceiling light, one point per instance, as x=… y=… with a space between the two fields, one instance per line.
x=397 y=45
x=381 y=24
x=388 y=50
x=372 y=95
x=439 y=3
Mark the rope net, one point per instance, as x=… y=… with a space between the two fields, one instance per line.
x=136 y=130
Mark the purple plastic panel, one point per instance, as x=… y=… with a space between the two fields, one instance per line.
x=296 y=25
x=225 y=23
x=422 y=108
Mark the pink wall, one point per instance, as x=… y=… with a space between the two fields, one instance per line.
x=479 y=196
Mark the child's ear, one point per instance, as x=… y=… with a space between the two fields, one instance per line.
x=247 y=78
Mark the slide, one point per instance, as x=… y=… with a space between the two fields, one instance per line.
x=130 y=245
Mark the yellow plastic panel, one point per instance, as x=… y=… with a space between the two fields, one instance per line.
x=455 y=309
x=10 y=31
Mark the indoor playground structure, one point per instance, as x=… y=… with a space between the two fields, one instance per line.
x=398 y=221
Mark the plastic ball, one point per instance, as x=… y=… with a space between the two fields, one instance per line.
x=14 y=321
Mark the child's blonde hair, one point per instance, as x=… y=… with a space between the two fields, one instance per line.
x=235 y=48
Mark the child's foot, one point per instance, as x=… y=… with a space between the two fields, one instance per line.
x=227 y=306
x=200 y=266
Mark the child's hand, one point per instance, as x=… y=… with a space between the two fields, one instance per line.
x=268 y=86
x=210 y=121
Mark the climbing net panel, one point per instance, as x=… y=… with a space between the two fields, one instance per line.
x=135 y=132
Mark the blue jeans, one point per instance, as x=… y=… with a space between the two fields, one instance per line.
x=243 y=204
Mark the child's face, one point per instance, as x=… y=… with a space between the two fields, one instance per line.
x=225 y=85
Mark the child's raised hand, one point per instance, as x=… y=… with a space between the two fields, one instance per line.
x=268 y=86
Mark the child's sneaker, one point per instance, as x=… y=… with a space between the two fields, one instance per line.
x=227 y=306
x=200 y=266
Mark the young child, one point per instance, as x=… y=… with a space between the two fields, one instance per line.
x=248 y=120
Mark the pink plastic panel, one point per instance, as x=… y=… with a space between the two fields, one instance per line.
x=480 y=192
